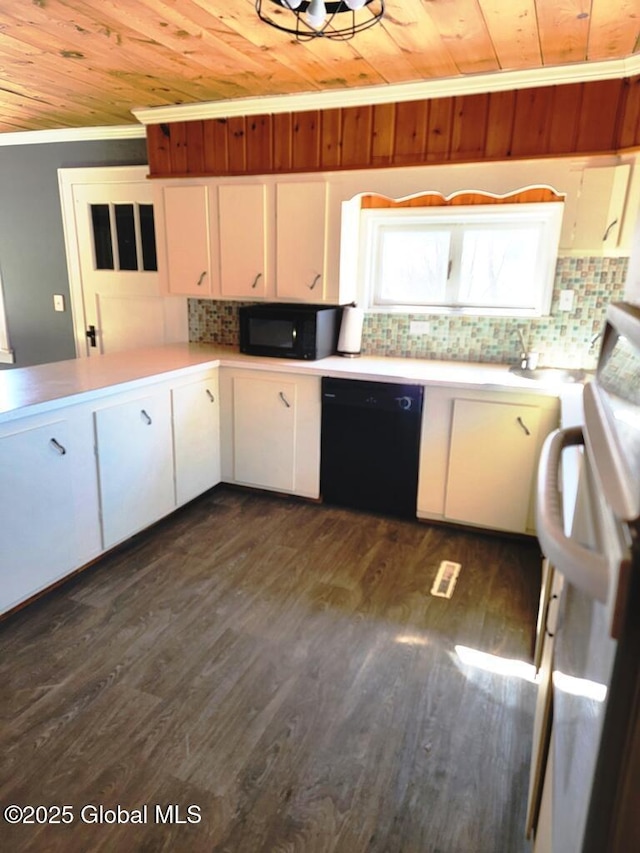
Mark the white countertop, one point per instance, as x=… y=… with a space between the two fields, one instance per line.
x=30 y=390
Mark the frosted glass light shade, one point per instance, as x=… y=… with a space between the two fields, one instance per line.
x=339 y=20
x=316 y=14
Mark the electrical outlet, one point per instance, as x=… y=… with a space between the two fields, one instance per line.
x=58 y=302
x=419 y=327
x=566 y=300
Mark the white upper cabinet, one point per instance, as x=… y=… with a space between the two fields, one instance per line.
x=243 y=240
x=600 y=210
x=301 y=214
x=261 y=239
x=184 y=248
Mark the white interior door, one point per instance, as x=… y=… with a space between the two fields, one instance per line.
x=118 y=302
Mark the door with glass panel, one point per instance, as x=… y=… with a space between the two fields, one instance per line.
x=123 y=304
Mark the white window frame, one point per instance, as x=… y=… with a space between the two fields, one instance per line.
x=547 y=215
x=7 y=355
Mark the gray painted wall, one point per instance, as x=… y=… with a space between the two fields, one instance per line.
x=32 y=255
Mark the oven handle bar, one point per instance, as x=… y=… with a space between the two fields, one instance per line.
x=586 y=569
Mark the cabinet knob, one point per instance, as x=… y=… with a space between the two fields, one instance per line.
x=256 y=280
x=525 y=428
x=201 y=279
x=147 y=417
x=315 y=281
x=284 y=400
x=210 y=396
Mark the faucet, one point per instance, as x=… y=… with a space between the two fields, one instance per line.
x=594 y=339
x=528 y=358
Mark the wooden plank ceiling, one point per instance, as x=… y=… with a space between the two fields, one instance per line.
x=85 y=63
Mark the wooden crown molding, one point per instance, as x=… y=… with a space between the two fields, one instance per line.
x=72 y=134
x=395 y=93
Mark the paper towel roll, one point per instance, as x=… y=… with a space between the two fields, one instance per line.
x=350 y=338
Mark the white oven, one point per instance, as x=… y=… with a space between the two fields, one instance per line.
x=595 y=756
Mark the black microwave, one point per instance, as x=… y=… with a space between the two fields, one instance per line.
x=289 y=331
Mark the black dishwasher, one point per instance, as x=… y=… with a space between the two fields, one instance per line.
x=370 y=445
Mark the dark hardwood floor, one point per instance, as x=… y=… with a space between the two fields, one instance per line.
x=282 y=666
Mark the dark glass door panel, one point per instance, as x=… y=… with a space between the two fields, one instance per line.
x=102 y=236
x=126 y=233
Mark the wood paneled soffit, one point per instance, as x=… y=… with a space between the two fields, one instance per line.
x=597 y=117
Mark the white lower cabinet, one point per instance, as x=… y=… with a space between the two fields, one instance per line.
x=196 y=437
x=479 y=456
x=135 y=464
x=82 y=479
x=491 y=463
x=271 y=431
x=48 y=503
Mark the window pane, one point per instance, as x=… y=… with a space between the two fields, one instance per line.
x=126 y=231
x=498 y=267
x=102 y=236
x=413 y=265
x=148 y=236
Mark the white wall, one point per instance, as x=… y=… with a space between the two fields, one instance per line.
x=632 y=289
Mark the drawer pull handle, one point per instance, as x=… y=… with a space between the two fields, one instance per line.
x=284 y=400
x=59 y=447
x=315 y=281
x=201 y=279
x=526 y=429
x=256 y=280
x=147 y=417
x=210 y=396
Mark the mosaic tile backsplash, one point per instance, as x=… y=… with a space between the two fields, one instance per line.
x=562 y=339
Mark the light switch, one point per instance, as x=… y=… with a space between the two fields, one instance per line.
x=58 y=302
x=566 y=300
x=419 y=327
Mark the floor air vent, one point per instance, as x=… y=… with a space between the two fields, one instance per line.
x=445 y=581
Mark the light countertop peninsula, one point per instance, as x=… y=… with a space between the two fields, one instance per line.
x=46 y=387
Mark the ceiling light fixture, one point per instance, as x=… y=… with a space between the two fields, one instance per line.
x=318 y=19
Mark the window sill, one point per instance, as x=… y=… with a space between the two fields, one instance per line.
x=447 y=311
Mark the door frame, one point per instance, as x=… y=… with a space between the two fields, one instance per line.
x=67 y=179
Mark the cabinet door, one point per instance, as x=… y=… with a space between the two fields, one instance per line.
x=36 y=510
x=264 y=413
x=187 y=240
x=601 y=204
x=243 y=249
x=300 y=241
x=491 y=464
x=135 y=463
x=196 y=437
x=546 y=628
